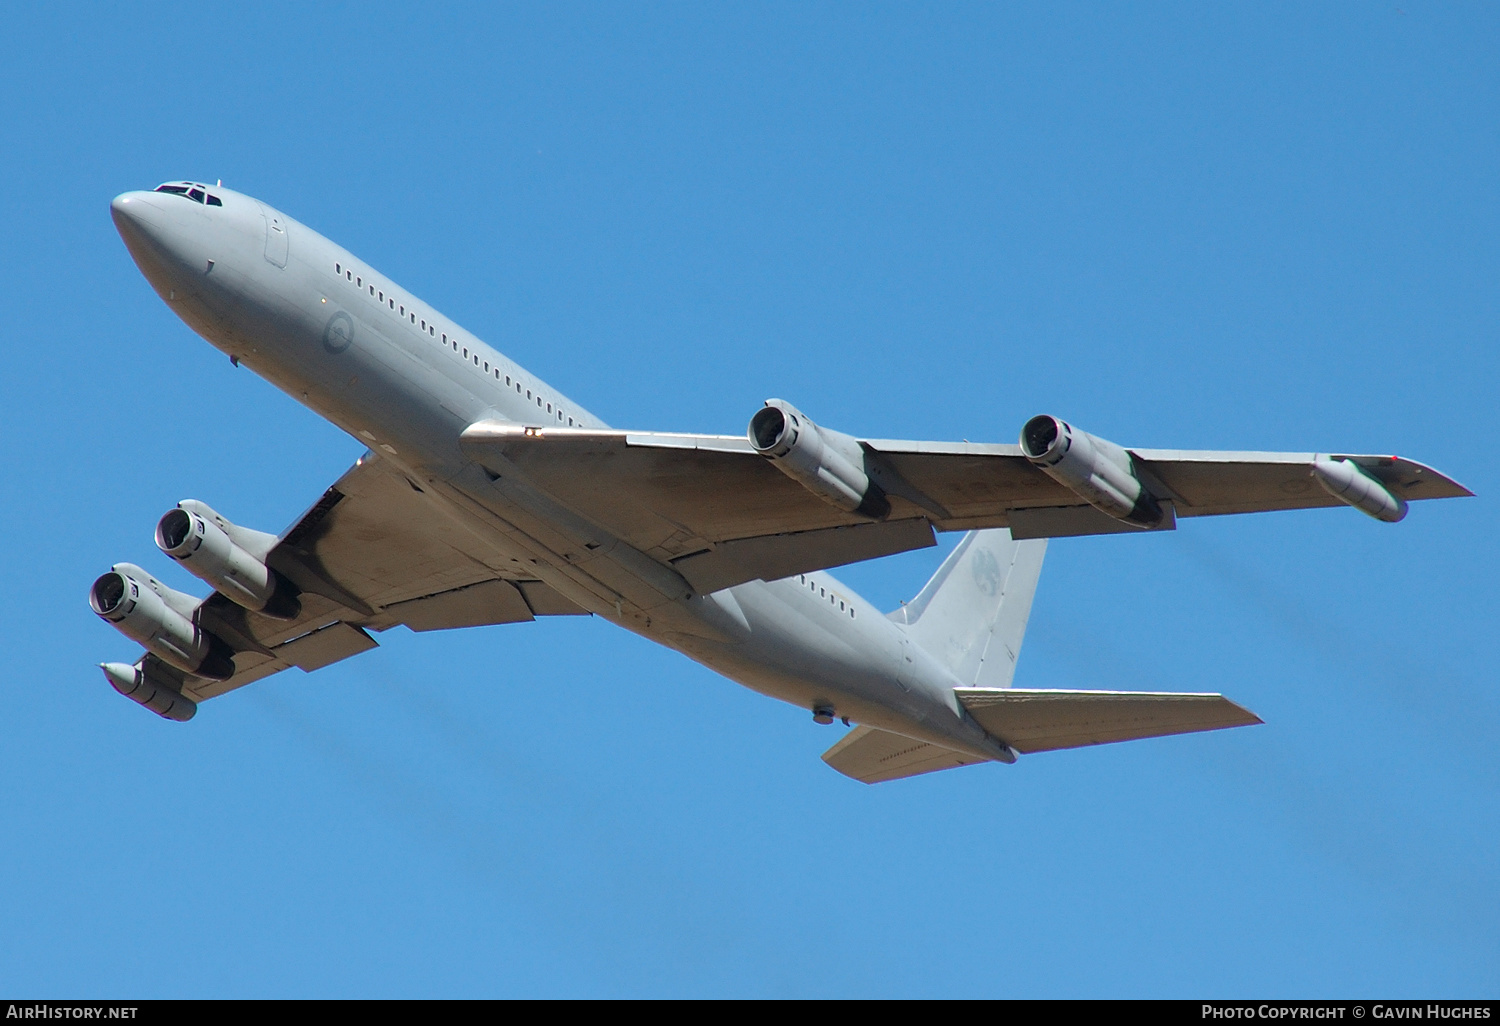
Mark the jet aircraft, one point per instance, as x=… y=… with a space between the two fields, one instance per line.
x=487 y=496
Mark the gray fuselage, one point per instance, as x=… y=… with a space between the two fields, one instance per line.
x=346 y=341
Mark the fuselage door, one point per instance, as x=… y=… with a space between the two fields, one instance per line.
x=905 y=673
x=276 y=240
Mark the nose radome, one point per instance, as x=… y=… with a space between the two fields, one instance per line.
x=134 y=210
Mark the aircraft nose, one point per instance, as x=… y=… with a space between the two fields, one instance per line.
x=135 y=214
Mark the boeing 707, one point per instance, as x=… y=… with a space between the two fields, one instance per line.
x=487 y=496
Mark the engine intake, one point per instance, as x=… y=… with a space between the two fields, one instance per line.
x=1099 y=472
x=147 y=611
x=214 y=550
x=827 y=463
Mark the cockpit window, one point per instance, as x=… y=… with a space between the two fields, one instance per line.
x=192 y=191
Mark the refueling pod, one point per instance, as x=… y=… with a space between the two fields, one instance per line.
x=231 y=559
x=1099 y=472
x=829 y=464
x=162 y=619
x=1349 y=482
x=157 y=695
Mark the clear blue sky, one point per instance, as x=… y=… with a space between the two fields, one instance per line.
x=1247 y=226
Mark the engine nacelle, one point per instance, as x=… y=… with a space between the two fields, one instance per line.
x=157 y=695
x=1099 y=472
x=147 y=611
x=210 y=548
x=828 y=463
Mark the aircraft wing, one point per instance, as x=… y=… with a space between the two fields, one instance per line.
x=371 y=553
x=721 y=513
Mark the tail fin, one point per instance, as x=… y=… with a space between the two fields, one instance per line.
x=972 y=615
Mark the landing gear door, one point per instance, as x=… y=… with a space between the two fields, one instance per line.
x=276 y=237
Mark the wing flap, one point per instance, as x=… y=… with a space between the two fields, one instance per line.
x=477 y=605
x=325 y=646
x=776 y=556
x=871 y=756
x=1076 y=521
x=1043 y=721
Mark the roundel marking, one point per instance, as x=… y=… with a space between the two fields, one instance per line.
x=338 y=334
x=986 y=572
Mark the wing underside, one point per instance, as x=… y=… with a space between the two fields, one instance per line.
x=371 y=553
x=720 y=513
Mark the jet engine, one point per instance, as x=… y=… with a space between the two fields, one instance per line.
x=828 y=463
x=1099 y=472
x=208 y=548
x=147 y=611
x=157 y=695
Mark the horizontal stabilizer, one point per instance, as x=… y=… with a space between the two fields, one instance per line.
x=1043 y=721
x=871 y=756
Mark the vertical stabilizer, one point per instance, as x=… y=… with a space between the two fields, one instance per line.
x=972 y=614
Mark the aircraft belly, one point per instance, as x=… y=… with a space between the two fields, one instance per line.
x=802 y=653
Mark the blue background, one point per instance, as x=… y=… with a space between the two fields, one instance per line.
x=1268 y=226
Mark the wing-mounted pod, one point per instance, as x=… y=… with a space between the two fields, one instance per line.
x=149 y=689
x=162 y=619
x=1099 y=472
x=230 y=558
x=828 y=463
x=1348 y=482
